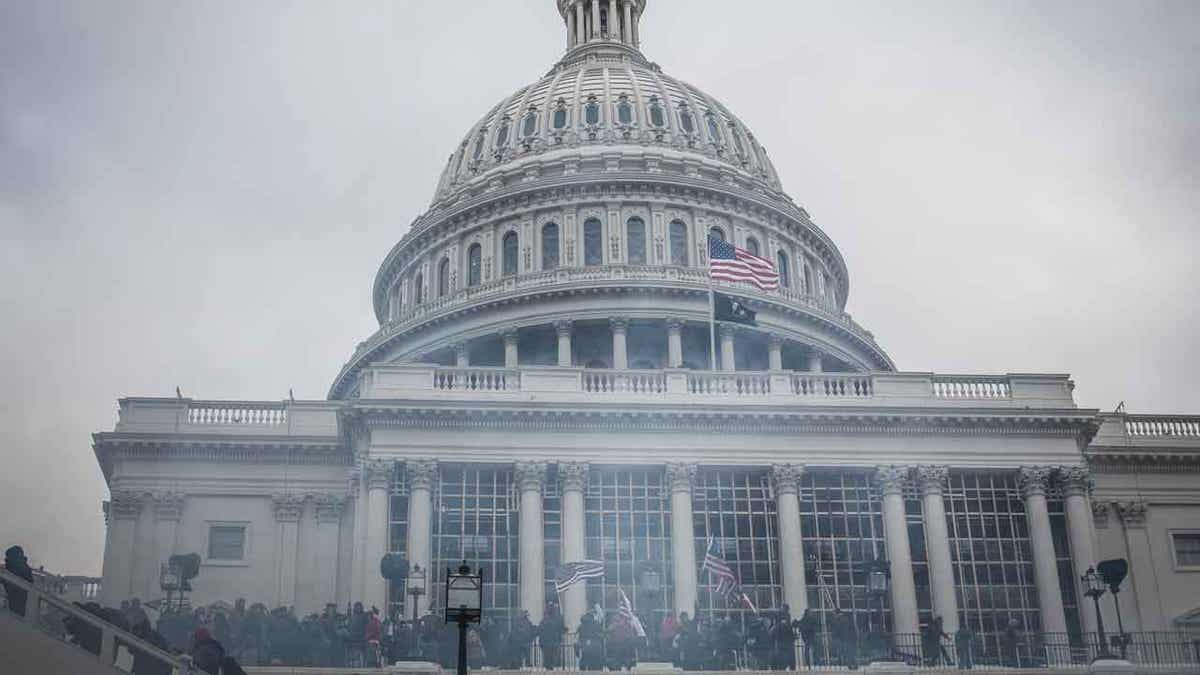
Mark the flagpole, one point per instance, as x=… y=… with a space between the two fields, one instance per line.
x=712 y=318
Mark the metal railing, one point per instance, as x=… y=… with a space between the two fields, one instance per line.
x=79 y=629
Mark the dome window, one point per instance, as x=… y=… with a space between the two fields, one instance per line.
x=529 y=123
x=560 y=115
x=593 y=243
x=752 y=245
x=714 y=129
x=624 y=110
x=679 y=243
x=502 y=133
x=658 y=117
x=474 y=265
x=635 y=237
x=687 y=121
x=479 y=144
x=785 y=270
x=591 y=111
x=738 y=144
x=419 y=289
x=717 y=233
x=550 y=246
x=444 y=278
x=509 y=254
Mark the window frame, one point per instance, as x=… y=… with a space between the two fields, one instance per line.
x=244 y=561
x=474 y=265
x=443 y=277
x=516 y=257
x=629 y=230
x=1171 y=534
x=599 y=250
x=684 y=248
x=547 y=256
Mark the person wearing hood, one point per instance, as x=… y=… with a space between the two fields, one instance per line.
x=207 y=653
x=18 y=565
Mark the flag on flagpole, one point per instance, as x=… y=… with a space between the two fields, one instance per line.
x=749 y=603
x=727 y=262
x=572 y=573
x=718 y=568
x=626 y=611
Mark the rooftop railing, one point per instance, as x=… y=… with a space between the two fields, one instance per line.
x=1163 y=426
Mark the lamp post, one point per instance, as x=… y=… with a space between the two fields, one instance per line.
x=879 y=575
x=416 y=588
x=464 y=605
x=1094 y=588
x=1113 y=573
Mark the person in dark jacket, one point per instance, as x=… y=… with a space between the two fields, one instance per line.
x=551 y=633
x=590 y=643
x=207 y=653
x=18 y=565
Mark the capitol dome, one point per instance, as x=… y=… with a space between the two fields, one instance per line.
x=579 y=207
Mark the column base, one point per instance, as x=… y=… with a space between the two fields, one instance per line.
x=888 y=668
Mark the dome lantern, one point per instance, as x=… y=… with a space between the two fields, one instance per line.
x=602 y=22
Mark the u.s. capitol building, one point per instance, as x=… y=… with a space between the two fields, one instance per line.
x=539 y=391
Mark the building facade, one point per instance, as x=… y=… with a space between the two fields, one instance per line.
x=539 y=391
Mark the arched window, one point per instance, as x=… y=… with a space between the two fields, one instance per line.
x=474 y=265
x=752 y=245
x=591 y=111
x=549 y=246
x=717 y=232
x=687 y=121
x=658 y=117
x=444 y=278
x=593 y=243
x=635 y=231
x=419 y=289
x=502 y=133
x=560 y=115
x=714 y=129
x=509 y=255
x=808 y=278
x=785 y=269
x=479 y=144
x=737 y=139
x=679 y=243
x=529 y=123
x=624 y=110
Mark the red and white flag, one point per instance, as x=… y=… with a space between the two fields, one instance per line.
x=727 y=262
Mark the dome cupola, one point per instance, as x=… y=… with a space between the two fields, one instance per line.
x=602 y=22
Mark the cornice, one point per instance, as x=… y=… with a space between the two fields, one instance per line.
x=219 y=449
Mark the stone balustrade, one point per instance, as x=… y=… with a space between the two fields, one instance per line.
x=970 y=386
x=266 y=418
x=1163 y=426
x=255 y=414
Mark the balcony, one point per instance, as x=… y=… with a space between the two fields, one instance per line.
x=240 y=418
x=673 y=386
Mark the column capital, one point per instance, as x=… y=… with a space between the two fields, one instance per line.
x=353 y=481
x=1133 y=513
x=420 y=473
x=574 y=475
x=681 y=475
x=727 y=331
x=564 y=327
x=1034 y=480
x=891 y=479
x=1076 y=480
x=530 y=475
x=168 y=505
x=377 y=473
x=675 y=326
x=786 y=478
x=125 y=504
x=510 y=335
x=287 y=507
x=1100 y=512
x=932 y=479
x=774 y=340
x=460 y=348
x=619 y=324
x=327 y=508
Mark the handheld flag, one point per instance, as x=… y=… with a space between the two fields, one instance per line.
x=626 y=611
x=717 y=567
x=572 y=573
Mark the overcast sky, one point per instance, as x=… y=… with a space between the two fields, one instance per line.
x=198 y=194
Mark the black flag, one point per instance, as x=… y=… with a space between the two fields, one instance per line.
x=729 y=308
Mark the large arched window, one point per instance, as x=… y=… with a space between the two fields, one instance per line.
x=509 y=254
x=717 y=232
x=560 y=115
x=479 y=144
x=591 y=111
x=419 y=289
x=624 y=110
x=502 y=133
x=443 y=278
x=714 y=128
x=752 y=246
x=658 y=116
x=593 y=243
x=529 y=123
x=679 y=243
x=808 y=278
x=635 y=238
x=549 y=246
x=687 y=121
x=474 y=265
x=785 y=269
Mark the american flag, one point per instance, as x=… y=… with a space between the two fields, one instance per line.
x=572 y=573
x=717 y=567
x=626 y=611
x=727 y=262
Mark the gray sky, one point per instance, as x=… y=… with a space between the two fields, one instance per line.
x=199 y=193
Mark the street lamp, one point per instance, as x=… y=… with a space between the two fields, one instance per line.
x=1093 y=587
x=416 y=588
x=1113 y=573
x=464 y=605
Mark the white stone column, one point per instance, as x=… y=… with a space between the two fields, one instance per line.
x=574 y=481
x=377 y=477
x=462 y=356
x=580 y=24
x=728 y=361
x=320 y=588
x=1034 y=481
x=786 y=478
x=620 y=327
x=683 y=546
x=531 y=478
x=614 y=21
x=168 y=511
x=288 y=509
x=144 y=585
x=570 y=29
x=595 y=19
x=1077 y=483
x=1143 y=577
x=637 y=36
x=932 y=480
x=890 y=480
x=674 y=343
x=511 y=359
x=421 y=474
x=775 y=352
x=358 y=500
x=563 y=328
x=122 y=511
x=814 y=363
x=627 y=26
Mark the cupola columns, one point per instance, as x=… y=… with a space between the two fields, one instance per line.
x=601 y=21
